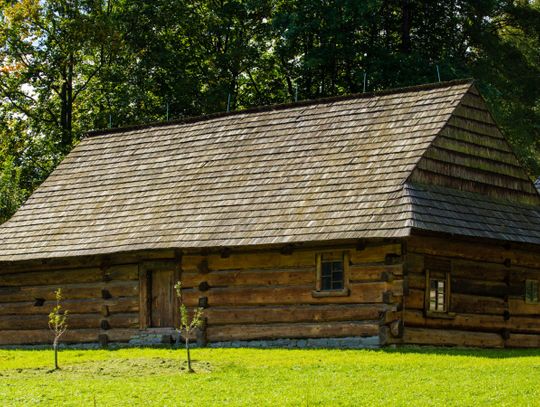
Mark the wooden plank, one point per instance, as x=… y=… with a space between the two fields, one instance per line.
x=162 y=313
x=242 y=261
x=298 y=313
x=374 y=253
x=145 y=298
x=414 y=300
x=476 y=270
x=530 y=324
x=75 y=321
x=126 y=304
x=523 y=341
x=473 y=304
x=85 y=261
x=70 y=276
x=415 y=262
x=518 y=306
x=417 y=281
x=481 y=288
x=70 y=291
x=28 y=337
x=475 y=322
x=299 y=330
x=359 y=293
x=374 y=273
x=425 y=336
x=250 y=278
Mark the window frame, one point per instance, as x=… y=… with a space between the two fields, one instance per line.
x=342 y=256
x=534 y=282
x=438 y=275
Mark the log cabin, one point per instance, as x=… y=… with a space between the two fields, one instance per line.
x=399 y=217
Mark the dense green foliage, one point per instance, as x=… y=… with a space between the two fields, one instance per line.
x=247 y=377
x=67 y=66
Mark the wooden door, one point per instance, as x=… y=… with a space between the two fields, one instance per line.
x=162 y=299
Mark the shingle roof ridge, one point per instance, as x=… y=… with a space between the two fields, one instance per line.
x=282 y=106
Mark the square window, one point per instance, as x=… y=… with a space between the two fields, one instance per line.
x=332 y=274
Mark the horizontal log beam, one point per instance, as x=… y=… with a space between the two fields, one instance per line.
x=278 y=331
x=69 y=291
x=75 y=321
x=70 y=276
x=359 y=293
x=523 y=341
x=250 y=278
x=457 y=248
x=425 y=336
x=474 y=304
x=115 y=305
x=299 y=313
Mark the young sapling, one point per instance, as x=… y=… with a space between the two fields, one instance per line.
x=57 y=324
x=188 y=325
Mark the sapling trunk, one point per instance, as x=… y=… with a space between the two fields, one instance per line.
x=187 y=325
x=55 y=347
x=57 y=324
x=190 y=370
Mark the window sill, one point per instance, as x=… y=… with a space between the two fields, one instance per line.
x=331 y=293
x=441 y=315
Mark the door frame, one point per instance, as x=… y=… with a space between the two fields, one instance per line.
x=145 y=285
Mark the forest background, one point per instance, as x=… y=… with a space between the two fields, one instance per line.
x=69 y=66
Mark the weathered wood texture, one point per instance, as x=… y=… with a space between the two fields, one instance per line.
x=246 y=295
x=101 y=300
x=471 y=154
x=269 y=295
x=487 y=287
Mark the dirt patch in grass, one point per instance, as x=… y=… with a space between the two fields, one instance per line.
x=116 y=368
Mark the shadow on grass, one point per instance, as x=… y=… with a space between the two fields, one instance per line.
x=456 y=351
x=405 y=349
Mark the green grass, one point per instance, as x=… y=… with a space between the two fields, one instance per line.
x=250 y=377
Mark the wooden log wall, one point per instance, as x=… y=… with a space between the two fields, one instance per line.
x=101 y=295
x=268 y=295
x=487 y=304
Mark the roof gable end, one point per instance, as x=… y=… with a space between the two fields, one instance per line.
x=471 y=154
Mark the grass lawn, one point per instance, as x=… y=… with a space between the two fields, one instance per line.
x=250 y=377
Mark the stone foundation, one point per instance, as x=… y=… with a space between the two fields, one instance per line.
x=370 y=342
x=153 y=339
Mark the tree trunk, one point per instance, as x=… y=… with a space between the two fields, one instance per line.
x=66 y=96
x=406 y=26
x=55 y=347
x=190 y=370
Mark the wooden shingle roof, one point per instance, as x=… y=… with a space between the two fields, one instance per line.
x=343 y=168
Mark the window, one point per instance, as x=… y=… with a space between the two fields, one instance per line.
x=332 y=274
x=437 y=296
x=531 y=291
